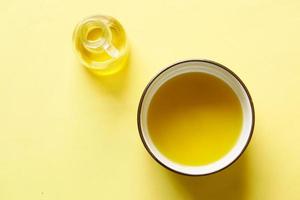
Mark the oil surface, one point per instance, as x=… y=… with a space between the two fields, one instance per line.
x=194 y=119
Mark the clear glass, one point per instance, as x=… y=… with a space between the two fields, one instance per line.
x=101 y=45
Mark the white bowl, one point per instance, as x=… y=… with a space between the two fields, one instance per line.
x=223 y=73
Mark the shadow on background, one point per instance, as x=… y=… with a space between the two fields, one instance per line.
x=229 y=184
x=113 y=84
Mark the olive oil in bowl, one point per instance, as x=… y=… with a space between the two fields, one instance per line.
x=194 y=119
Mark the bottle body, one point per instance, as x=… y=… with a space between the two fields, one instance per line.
x=100 y=43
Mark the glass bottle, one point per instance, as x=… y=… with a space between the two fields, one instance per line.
x=101 y=45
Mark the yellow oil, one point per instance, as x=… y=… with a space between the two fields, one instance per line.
x=194 y=119
x=101 y=45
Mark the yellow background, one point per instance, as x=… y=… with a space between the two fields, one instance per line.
x=68 y=135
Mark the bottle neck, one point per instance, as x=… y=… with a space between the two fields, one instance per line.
x=94 y=35
x=96 y=38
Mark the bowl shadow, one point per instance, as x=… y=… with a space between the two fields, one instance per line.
x=228 y=184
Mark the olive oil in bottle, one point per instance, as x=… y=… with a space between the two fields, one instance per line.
x=101 y=45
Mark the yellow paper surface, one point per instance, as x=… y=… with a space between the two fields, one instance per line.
x=68 y=135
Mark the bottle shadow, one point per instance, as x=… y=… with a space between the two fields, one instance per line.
x=229 y=184
x=113 y=84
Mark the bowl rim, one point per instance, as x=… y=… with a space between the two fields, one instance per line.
x=187 y=61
